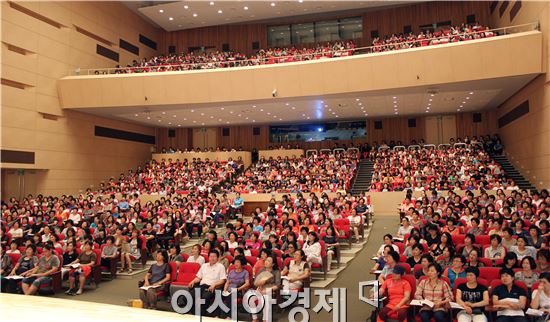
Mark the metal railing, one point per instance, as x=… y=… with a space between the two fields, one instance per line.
x=443 y=39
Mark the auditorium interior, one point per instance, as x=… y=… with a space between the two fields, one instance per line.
x=293 y=148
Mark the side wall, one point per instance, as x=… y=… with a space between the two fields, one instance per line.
x=527 y=139
x=40 y=44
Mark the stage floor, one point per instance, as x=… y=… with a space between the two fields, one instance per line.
x=15 y=307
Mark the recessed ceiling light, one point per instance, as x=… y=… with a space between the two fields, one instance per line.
x=253 y=121
x=360 y=104
x=194 y=15
x=326 y=105
x=366 y=115
x=395 y=109
x=429 y=104
x=163 y=113
x=246 y=118
x=461 y=105
x=274 y=116
x=185 y=119
x=431 y=99
x=160 y=120
x=300 y=1
x=357 y=99
x=136 y=114
x=171 y=18
x=273 y=4
x=280 y=119
x=394 y=97
x=337 y=116
x=303 y=115
x=219 y=120
x=169 y=123
x=293 y=107
x=268 y=113
x=396 y=113
x=427 y=111
x=253 y=105
x=287 y=104
x=463 y=102
x=308 y=117
x=427 y=107
x=211 y=116
x=322 y=102
x=194 y=121
x=231 y=112
x=222 y=108
x=192 y=111
x=211 y=3
x=261 y=110
x=179 y=124
x=202 y=114
x=458 y=110
x=174 y=115
x=467 y=98
x=202 y=123
x=161 y=11
x=239 y=115
x=432 y=95
x=333 y=113
x=245 y=8
x=219 y=11
x=148 y=117
x=471 y=93
x=227 y=122
x=186 y=7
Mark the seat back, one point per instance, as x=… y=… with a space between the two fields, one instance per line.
x=173 y=271
x=489 y=273
x=14 y=259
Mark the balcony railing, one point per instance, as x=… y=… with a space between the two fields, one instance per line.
x=404 y=45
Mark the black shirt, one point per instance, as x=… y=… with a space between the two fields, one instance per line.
x=412 y=262
x=473 y=295
x=502 y=292
x=432 y=240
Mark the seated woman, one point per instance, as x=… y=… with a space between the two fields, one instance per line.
x=510 y=260
x=156 y=278
x=312 y=249
x=509 y=299
x=23 y=268
x=86 y=260
x=425 y=262
x=469 y=240
x=496 y=250
x=238 y=280
x=411 y=242
x=541 y=298
x=253 y=242
x=473 y=259
x=268 y=279
x=5 y=268
x=130 y=253
x=446 y=258
x=436 y=290
x=232 y=241
x=526 y=274
x=456 y=270
x=416 y=257
x=522 y=249
x=331 y=243
x=473 y=297
x=543 y=261
x=398 y=292
x=47 y=265
x=174 y=255
x=405 y=228
x=380 y=263
x=388 y=240
x=535 y=239
x=446 y=241
x=391 y=261
x=296 y=272
x=264 y=253
x=109 y=252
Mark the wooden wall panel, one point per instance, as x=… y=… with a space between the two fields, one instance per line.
x=395 y=128
x=465 y=125
x=386 y=21
x=183 y=139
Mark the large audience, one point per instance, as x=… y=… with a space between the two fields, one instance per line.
x=476 y=256
x=446 y=35
x=226 y=59
x=459 y=165
x=277 y=55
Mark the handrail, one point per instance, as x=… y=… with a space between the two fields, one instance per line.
x=311 y=151
x=399 y=147
x=414 y=147
x=327 y=54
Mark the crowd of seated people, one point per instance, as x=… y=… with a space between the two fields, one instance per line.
x=226 y=59
x=327 y=172
x=464 y=165
x=174 y=176
x=444 y=35
x=75 y=237
x=487 y=253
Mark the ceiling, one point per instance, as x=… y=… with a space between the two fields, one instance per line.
x=179 y=15
x=447 y=98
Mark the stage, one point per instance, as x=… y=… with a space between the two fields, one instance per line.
x=45 y=309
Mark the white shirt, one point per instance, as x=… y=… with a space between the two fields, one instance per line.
x=211 y=274
x=199 y=260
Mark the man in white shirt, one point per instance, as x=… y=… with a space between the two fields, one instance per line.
x=211 y=276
